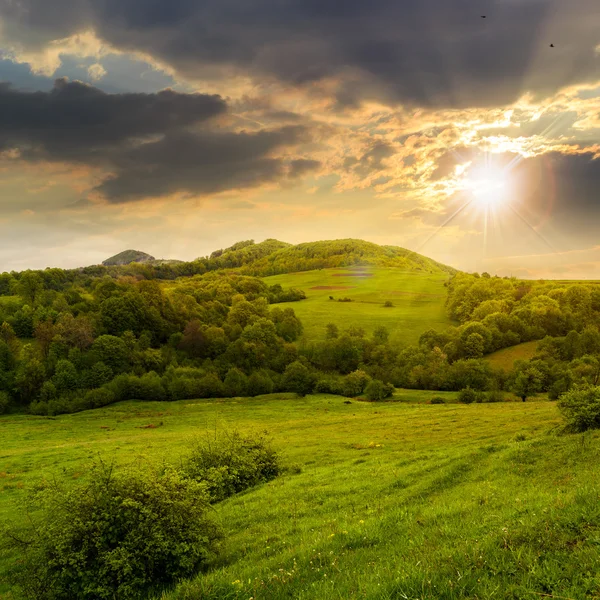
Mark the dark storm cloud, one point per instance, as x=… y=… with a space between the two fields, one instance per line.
x=424 y=52
x=74 y=119
x=203 y=163
x=151 y=144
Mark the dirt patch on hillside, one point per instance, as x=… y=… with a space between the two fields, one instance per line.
x=352 y=274
x=332 y=287
x=400 y=293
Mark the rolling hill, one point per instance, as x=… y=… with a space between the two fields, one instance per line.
x=359 y=299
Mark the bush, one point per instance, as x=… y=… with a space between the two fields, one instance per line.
x=120 y=536
x=98 y=398
x=581 y=408
x=355 y=383
x=388 y=304
x=467 y=396
x=329 y=385
x=437 y=400
x=377 y=390
x=231 y=463
x=259 y=383
x=494 y=396
x=297 y=378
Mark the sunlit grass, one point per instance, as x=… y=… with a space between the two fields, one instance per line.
x=417 y=298
x=384 y=500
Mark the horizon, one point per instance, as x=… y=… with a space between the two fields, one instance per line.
x=475 y=142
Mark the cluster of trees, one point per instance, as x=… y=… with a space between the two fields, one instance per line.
x=82 y=347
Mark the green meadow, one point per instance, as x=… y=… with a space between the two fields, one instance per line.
x=505 y=358
x=417 y=300
x=395 y=500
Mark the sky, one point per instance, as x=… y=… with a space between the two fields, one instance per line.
x=178 y=127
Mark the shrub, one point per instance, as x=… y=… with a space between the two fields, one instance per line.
x=437 y=400
x=259 y=383
x=377 y=390
x=494 y=396
x=581 y=408
x=120 y=536
x=467 y=395
x=355 y=383
x=98 y=398
x=236 y=383
x=232 y=463
x=329 y=385
x=388 y=304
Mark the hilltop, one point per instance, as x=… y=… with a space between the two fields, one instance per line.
x=273 y=257
x=127 y=257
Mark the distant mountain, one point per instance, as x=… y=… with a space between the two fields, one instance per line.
x=126 y=257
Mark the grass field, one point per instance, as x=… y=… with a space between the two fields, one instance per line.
x=504 y=359
x=386 y=501
x=417 y=298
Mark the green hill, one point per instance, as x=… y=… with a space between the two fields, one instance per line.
x=272 y=257
x=126 y=257
x=417 y=300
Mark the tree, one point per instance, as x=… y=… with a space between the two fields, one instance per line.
x=581 y=408
x=44 y=334
x=297 y=378
x=381 y=335
x=527 y=382
x=29 y=286
x=65 y=376
x=332 y=331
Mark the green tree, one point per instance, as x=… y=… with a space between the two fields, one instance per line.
x=297 y=378
x=581 y=408
x=29 y=286
x=527 y=382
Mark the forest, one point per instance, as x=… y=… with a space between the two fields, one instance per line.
x=81 y=339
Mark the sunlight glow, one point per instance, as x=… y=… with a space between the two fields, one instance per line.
x=489 y=187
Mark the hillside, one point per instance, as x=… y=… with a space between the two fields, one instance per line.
x=126 y=257
x=385 y=500
x=273 y=258
x=417 y=301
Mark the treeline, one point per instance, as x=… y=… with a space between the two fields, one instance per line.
x=82 y=348
x=496 y=313
x=270 y=257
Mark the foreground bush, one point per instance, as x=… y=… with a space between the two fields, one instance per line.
x=231 y=463
x=581 y=408
x=121 y=536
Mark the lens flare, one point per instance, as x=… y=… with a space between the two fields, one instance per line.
x=488 y=186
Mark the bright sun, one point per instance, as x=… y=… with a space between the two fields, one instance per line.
x=489 y=186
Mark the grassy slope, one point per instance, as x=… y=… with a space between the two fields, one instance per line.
x=504 y=359
x=418 y=300
x=392 y=501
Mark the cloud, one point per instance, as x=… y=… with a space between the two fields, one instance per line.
x=75 y=119
x=204 y=162
x=151 y=144
x=427 y=53
x=96 y=71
